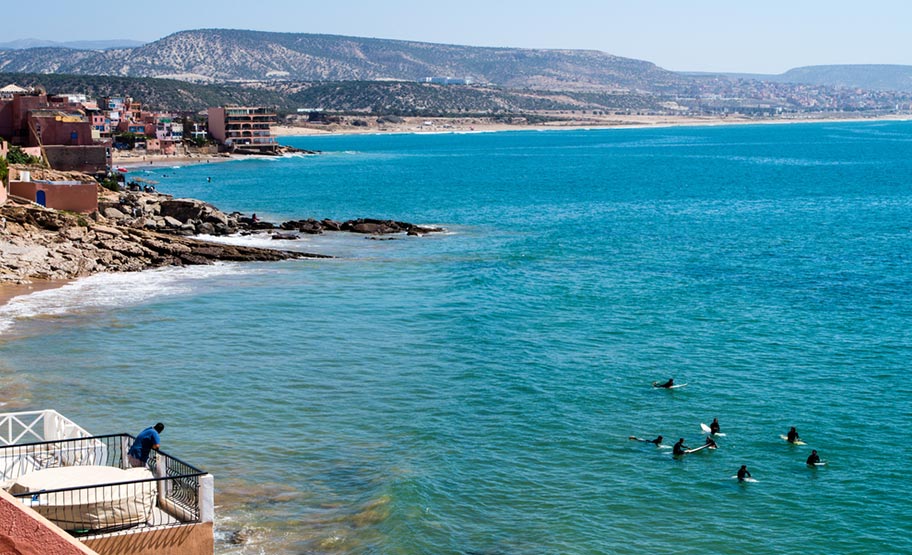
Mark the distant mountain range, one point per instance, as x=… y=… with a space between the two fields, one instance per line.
x=220 y=55
x=22 y=44
x=225 y=55
x=190 y=70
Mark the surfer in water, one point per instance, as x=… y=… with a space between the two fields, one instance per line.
x=813 y=458
x=666 y=385
x=711 y=442
x=714 y=427
x=792 y=436
x=743 y=473
x=679 y=448
x=657 y=441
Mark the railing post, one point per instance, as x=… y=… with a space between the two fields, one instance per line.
x=50 y=425
x=124 y=449
x=207 y=498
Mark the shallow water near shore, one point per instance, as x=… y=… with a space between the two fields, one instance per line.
x=474 y=391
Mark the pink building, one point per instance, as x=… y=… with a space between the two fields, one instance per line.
x=60 y=195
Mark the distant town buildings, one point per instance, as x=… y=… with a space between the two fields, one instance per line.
x=447 y=80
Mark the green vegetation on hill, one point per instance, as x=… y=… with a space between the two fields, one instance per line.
x=156 y=94
x=367 y=97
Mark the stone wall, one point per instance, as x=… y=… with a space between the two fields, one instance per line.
x=89 y=159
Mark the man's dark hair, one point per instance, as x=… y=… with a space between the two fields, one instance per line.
x=159 y=427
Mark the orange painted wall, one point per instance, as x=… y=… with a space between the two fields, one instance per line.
x=75 y=198
x=25 y=532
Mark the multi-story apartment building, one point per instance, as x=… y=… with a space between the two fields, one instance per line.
x=243 y=128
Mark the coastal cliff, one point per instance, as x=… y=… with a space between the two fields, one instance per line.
x=40 y=243
x=133 y=231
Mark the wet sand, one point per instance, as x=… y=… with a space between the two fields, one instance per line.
x=9 y=291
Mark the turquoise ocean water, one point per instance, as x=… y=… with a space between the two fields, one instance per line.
x=473 y=392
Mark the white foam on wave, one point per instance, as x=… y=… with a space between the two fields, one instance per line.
x=260 y=240
x=106 y=291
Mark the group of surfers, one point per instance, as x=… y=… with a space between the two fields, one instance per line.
x=679 y=449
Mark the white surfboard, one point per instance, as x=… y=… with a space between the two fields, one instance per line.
x=707 y=430
x=748 y=479
x=697 y=449
x=799 y=442
x=676 y=386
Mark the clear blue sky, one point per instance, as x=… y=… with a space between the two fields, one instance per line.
x=767 y=36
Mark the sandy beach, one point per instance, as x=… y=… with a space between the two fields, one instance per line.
x=368 y=125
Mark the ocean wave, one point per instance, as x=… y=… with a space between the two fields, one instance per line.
x=112 y=290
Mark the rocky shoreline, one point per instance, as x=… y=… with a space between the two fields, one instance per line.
x=135 y=231
x=186 y=217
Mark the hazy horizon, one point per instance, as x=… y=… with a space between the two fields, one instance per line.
x=707 y=36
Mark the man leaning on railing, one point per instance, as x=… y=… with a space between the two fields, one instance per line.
x=146 y=441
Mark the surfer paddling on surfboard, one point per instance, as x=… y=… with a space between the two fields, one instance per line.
x=657 y=441
x=667 y=385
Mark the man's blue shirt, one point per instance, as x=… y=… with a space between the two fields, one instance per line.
x=146 y=439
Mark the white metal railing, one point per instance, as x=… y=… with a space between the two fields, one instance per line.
x=37 y=426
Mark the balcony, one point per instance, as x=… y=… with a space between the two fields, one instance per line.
x=85 y=486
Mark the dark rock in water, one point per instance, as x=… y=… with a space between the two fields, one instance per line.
x=238 y=537
x=331 y=225
x=284 y=236
x=312 y=227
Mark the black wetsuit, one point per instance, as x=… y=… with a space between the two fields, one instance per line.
x=714 y=427
x=813 y=459
x=792 y=436
x=656 y=441
x=679 y=448
x=742 y=474
x=666 y=385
